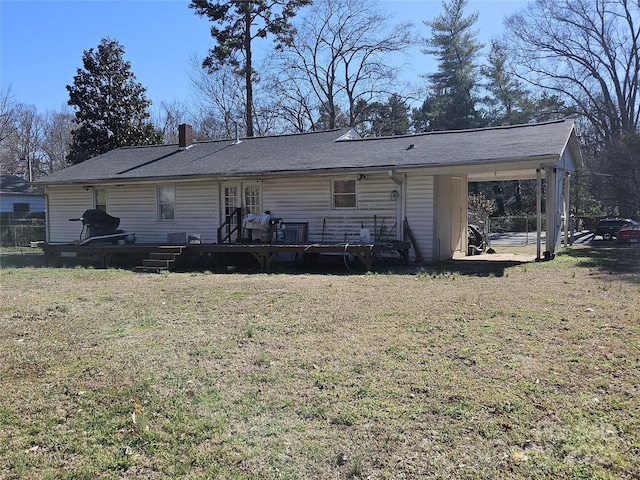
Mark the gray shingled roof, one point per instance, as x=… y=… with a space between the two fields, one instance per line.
x=12 y=185
x=321 y=151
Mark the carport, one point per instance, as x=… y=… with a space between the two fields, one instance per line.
x=556 y=174
x=547 y=153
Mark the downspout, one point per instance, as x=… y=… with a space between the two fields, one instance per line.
x=400 y=209
x=47 y=223
x=220 y=204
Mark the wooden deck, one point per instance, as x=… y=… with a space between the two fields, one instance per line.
x=264 y=254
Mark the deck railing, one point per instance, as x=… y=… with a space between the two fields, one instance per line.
x=228 y=228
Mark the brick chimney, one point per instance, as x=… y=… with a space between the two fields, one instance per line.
x=185 y=136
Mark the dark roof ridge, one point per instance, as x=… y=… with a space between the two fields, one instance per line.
x=467 y=130
x=242 y=139
x=131 y=147
x=261 y=137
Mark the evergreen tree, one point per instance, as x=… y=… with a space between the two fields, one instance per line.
x=506 y=94
x=387 y=119
x=451 y=104
x=508 y=102
x=111 y=107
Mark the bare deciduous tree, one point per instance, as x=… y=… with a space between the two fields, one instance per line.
x=57 y=139
x=219 y=93
x=7 y=113
x=340 y=58
x=167 y=120
x=219 y=96
x=588 y=51
x=24 y=145
x=33 y=144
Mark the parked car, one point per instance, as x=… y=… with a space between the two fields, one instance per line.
x=630 y=233
x=608 y=228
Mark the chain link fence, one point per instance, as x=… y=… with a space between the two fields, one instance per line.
x=20 y=232
x=512 y=231
x=521 y=231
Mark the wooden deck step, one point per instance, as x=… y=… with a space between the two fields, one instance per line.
x=170 y=248
x=163 y=258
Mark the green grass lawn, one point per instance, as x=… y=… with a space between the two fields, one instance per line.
x=444 y=371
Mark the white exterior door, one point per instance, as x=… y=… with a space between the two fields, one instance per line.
x=230 y=201
x=247 y=196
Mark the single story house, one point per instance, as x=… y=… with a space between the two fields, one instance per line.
x=334 y=182
x=18 y=198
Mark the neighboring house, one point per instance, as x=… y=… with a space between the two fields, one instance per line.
x=334 y=181
x=18 y=198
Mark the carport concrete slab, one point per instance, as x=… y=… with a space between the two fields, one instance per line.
x=497 y=257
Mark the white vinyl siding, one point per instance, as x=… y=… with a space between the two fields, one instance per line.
x=66 y=202
x=309 y=199
x=420 y=211
x=196 y=202
x=294 y=199
x=135 y=205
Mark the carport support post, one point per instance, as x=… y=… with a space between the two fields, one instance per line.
x=538 y=211
x=565 y=207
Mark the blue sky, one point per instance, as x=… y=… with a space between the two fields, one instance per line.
x=42 y=41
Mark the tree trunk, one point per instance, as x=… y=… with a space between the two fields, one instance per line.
x=248 y=73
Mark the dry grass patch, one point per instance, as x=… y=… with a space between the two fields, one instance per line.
x=443 y=372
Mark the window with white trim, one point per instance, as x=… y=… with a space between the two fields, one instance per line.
x=344 y=194
x=100 y=199
x=166 y=203
x=252 y=199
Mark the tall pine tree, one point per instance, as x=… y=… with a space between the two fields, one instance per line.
x=508 y=101
x=507 y=97
x=451 y=103
x=111 y=107
x=237 y=23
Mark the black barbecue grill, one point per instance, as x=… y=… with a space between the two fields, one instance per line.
x=98 y=225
